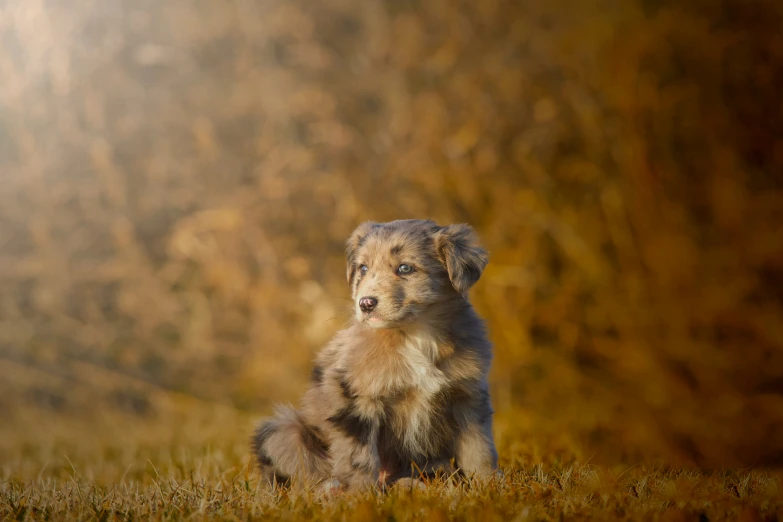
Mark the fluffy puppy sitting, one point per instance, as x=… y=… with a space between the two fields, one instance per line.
x=403 y=390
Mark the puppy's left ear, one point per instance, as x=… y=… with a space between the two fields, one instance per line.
x=459 y=250
x=353 y=244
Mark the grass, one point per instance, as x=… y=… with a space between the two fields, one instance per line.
x=192 y=462
x=574 y=491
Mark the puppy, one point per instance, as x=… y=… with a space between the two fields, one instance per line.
x=403 y=391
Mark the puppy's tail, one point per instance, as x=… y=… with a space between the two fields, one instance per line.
x=287 y=448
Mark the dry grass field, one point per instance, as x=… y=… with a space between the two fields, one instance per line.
x=177 y=180
x=194 y=465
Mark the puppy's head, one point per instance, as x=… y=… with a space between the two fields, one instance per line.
x=399 y=269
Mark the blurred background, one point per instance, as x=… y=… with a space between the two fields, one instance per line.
x=177 y=180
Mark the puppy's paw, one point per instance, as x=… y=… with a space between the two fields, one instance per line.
x=329 y=488
x=410 y=484
x=488 y=478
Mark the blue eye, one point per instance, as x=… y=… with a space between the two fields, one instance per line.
x=404 y=269
x=363 y=268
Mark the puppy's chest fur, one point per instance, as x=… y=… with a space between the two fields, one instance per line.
x=387 y=365
x=397 y=379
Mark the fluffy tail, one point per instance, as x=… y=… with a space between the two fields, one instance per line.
x=287 y=448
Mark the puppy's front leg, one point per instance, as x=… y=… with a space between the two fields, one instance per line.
x=475 y=447
x=476 y=453
x=354 y=448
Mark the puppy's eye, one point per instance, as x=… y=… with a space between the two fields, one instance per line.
x=404 y=269
x=363 y=269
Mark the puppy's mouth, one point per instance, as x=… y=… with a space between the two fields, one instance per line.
x=378 y=320
x=373 y=319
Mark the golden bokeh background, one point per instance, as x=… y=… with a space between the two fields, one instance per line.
x=178 y=179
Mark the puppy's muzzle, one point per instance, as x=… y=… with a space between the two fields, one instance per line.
x=368 y=304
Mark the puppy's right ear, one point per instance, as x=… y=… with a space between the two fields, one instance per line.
x=459 y=250
x=353 y=244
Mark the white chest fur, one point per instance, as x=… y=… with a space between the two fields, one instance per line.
x=385 y=371
x=427 y=380
x=418 y=356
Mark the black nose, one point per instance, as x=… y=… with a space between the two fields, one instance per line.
x=368 y=304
